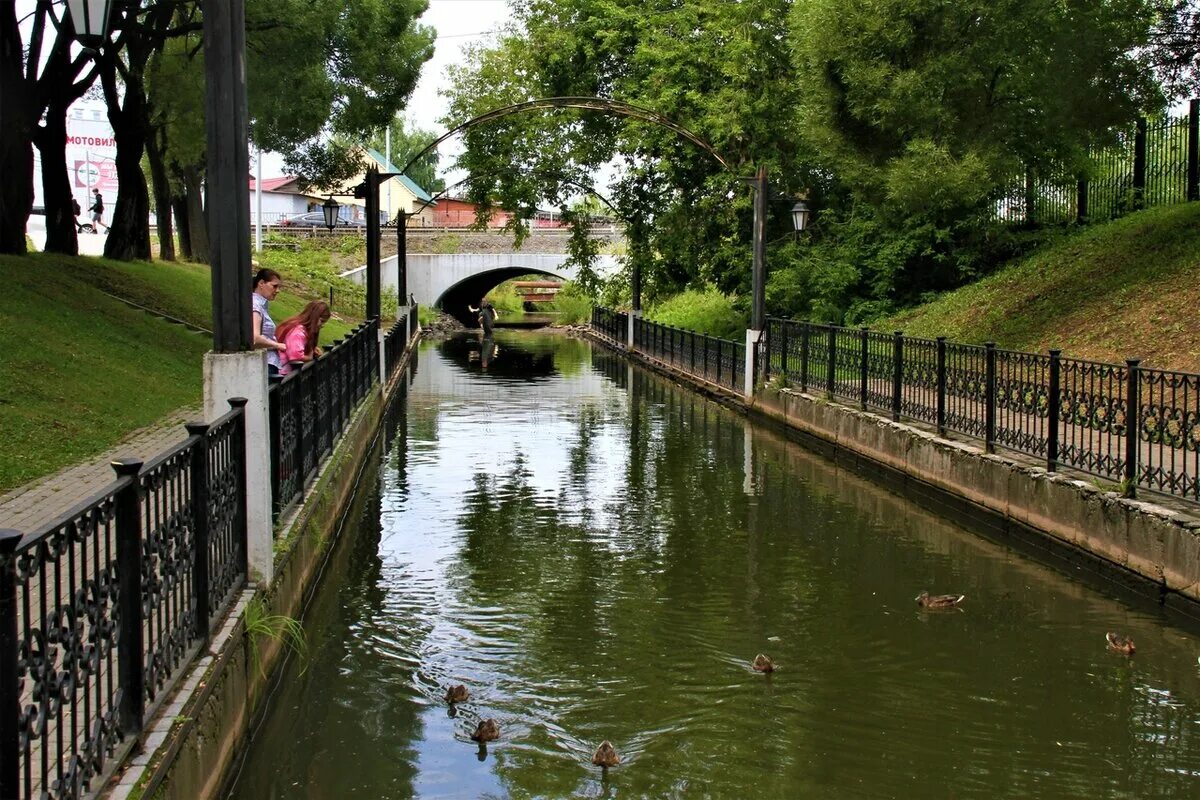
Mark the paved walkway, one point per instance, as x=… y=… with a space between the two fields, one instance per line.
x=29 y=507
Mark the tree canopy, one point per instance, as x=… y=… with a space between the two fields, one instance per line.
x=898 y=120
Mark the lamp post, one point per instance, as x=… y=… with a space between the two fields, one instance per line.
x=330 y=208
x=90 y=20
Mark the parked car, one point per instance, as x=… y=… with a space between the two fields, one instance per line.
x=316 y=219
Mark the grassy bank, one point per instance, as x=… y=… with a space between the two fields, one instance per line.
x=81 y=370
x=1124 y=289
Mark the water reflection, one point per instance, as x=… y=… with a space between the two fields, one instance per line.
x=598 y=555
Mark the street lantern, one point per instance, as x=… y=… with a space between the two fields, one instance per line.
x=799 y=216
x=90 y=19
x=330 y=207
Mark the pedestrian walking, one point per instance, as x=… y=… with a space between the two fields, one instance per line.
x=97 y=210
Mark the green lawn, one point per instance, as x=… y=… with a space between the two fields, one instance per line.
x=1123 y=289
x=81 y=370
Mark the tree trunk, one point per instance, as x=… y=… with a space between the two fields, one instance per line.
x=155 y=145
x=51 y=141
x=16 y=137
x=129 y=234
x=179 y=206
x=197 y=223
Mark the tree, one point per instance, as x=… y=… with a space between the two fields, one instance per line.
x=407 y=142
x=34 y=88
x=719 y=69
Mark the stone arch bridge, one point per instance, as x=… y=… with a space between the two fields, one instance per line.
x=452 y=282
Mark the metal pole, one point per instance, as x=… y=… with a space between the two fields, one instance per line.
x=1132 y=414
x=373 y=279
x=228 y=205
x=130 y=646
x=1193 y=178
x=941 y=385
x=1139 y=164
x=759 y=275
x=401 y=257
x=897 y=374
x=989 y=398
x=200 y=527
x=387 y=157
x=1053 y=410
x=258 y=199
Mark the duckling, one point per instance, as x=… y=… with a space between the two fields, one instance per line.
x=487 y=731
x=1119 y=643
x=606 y=755
x=763 y=663
x=925 y=600
x=457 y=694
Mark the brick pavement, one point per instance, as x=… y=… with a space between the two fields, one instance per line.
x=31 y=506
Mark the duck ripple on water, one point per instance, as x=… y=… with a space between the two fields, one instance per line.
x=926 y=600
x=606 y=755
x=487 y=730
x=1120 y=643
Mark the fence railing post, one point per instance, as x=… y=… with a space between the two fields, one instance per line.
x=274 y=425
x=804 y=333
x=831 y=367
x=200 y=527
x=692 y=336
x=1132 y=432
x=239 y=450
x=864 y=354
x=10 y=684
x=941 y=385
x=1053 y=409
x=897 y=374
x=1081 y=201
x=1193 y=169
x=719 y=354
x=989 y=397
x=784 y=343
x=1139 y=164
x=130 y=644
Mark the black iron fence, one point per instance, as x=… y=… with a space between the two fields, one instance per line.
x=612 y=324
x=1153 y=163
x=309 y=408
x=718 y=361
x=1136 y=426
x=100 y=609
x=398 y=337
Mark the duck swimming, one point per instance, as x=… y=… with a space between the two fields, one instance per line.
x=925 y=600
x=487 y=731
x=606 y=755
x=457 y=694
x=763 y=663
x=1120 y=643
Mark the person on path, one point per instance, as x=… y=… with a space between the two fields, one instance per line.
x=300 y=335
x=97 y=210
x=266 y=286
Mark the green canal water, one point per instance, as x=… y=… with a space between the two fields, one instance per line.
x=598 y=554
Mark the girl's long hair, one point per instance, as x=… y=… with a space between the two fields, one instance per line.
x=311 y=319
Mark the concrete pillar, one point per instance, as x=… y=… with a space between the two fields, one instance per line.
x=382 y=350
x=244 y=374
x=632 y=316
x=752 y=340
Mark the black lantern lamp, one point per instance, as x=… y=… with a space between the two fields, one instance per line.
x=800 y=214
x=330 y=207
x=90 y=19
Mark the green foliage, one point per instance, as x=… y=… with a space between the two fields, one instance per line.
x=274 y=627
x=427 y=315
x=313 y=270
x=505 y=298
x=572 y=304
x=705 y=311
x=899 y=120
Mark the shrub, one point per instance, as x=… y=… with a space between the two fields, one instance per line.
x=706 y=311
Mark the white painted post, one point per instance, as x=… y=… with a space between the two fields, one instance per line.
x=629 y=339
x=258 y=199
x=229 y=375
x=752 y=340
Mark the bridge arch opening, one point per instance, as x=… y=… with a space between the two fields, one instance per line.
x=469 y=291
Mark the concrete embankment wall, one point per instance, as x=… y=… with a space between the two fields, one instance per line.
x=191 y=747
x=1149 y=546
